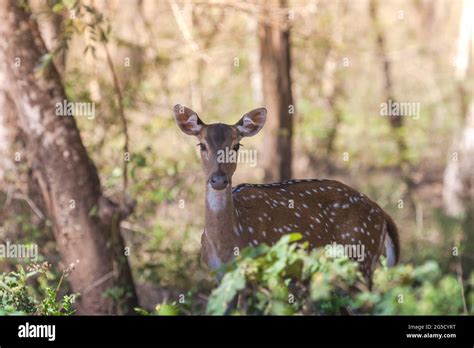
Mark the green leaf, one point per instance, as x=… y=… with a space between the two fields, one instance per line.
x=221 y=297
x=166 y=309
x=58 y=7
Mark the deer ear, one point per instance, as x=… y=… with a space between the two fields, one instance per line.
x=251 y=123
x=188 y=121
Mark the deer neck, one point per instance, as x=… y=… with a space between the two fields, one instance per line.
x=219 y=222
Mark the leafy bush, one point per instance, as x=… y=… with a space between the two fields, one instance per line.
x=17 y=297
x=287 y=279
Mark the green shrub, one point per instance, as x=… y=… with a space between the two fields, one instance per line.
x=17 y=297
x=287 y=279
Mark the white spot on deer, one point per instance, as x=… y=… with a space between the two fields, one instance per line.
x=305 y=206
x=236 y=231
x=345 y=206
x=311 y=225
x=298 y=215
x=255 y=242
x=308 y=192
x=319 y=221
x=250 y=229
x=336 y=205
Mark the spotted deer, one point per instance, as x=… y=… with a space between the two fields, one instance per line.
x=323 y=211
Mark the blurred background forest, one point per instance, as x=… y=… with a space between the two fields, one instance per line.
x=334 y=62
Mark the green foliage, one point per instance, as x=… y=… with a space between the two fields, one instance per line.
x=161 y=309
x=180 y=307
x=17 y=296
x=287 y=279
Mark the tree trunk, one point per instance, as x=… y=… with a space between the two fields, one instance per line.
x=332 y=94
x=458 y=189
x=68 y=180
x=8 y=134
x=458 y=185
x=49 y=25
x=332 y=87
x=274 y=38
x=396 y=121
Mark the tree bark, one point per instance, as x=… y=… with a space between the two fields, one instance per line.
x=275 y=61
x=49 y=25
x=8 y=134
x=68 y=179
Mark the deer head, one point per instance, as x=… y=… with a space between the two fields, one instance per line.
x=218 y=138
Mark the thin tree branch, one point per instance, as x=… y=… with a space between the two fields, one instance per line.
x=119 y=94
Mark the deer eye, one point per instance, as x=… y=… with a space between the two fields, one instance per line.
x=237 y=147
x=202 y=146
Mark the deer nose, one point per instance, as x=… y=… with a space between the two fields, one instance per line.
x=219 y=181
